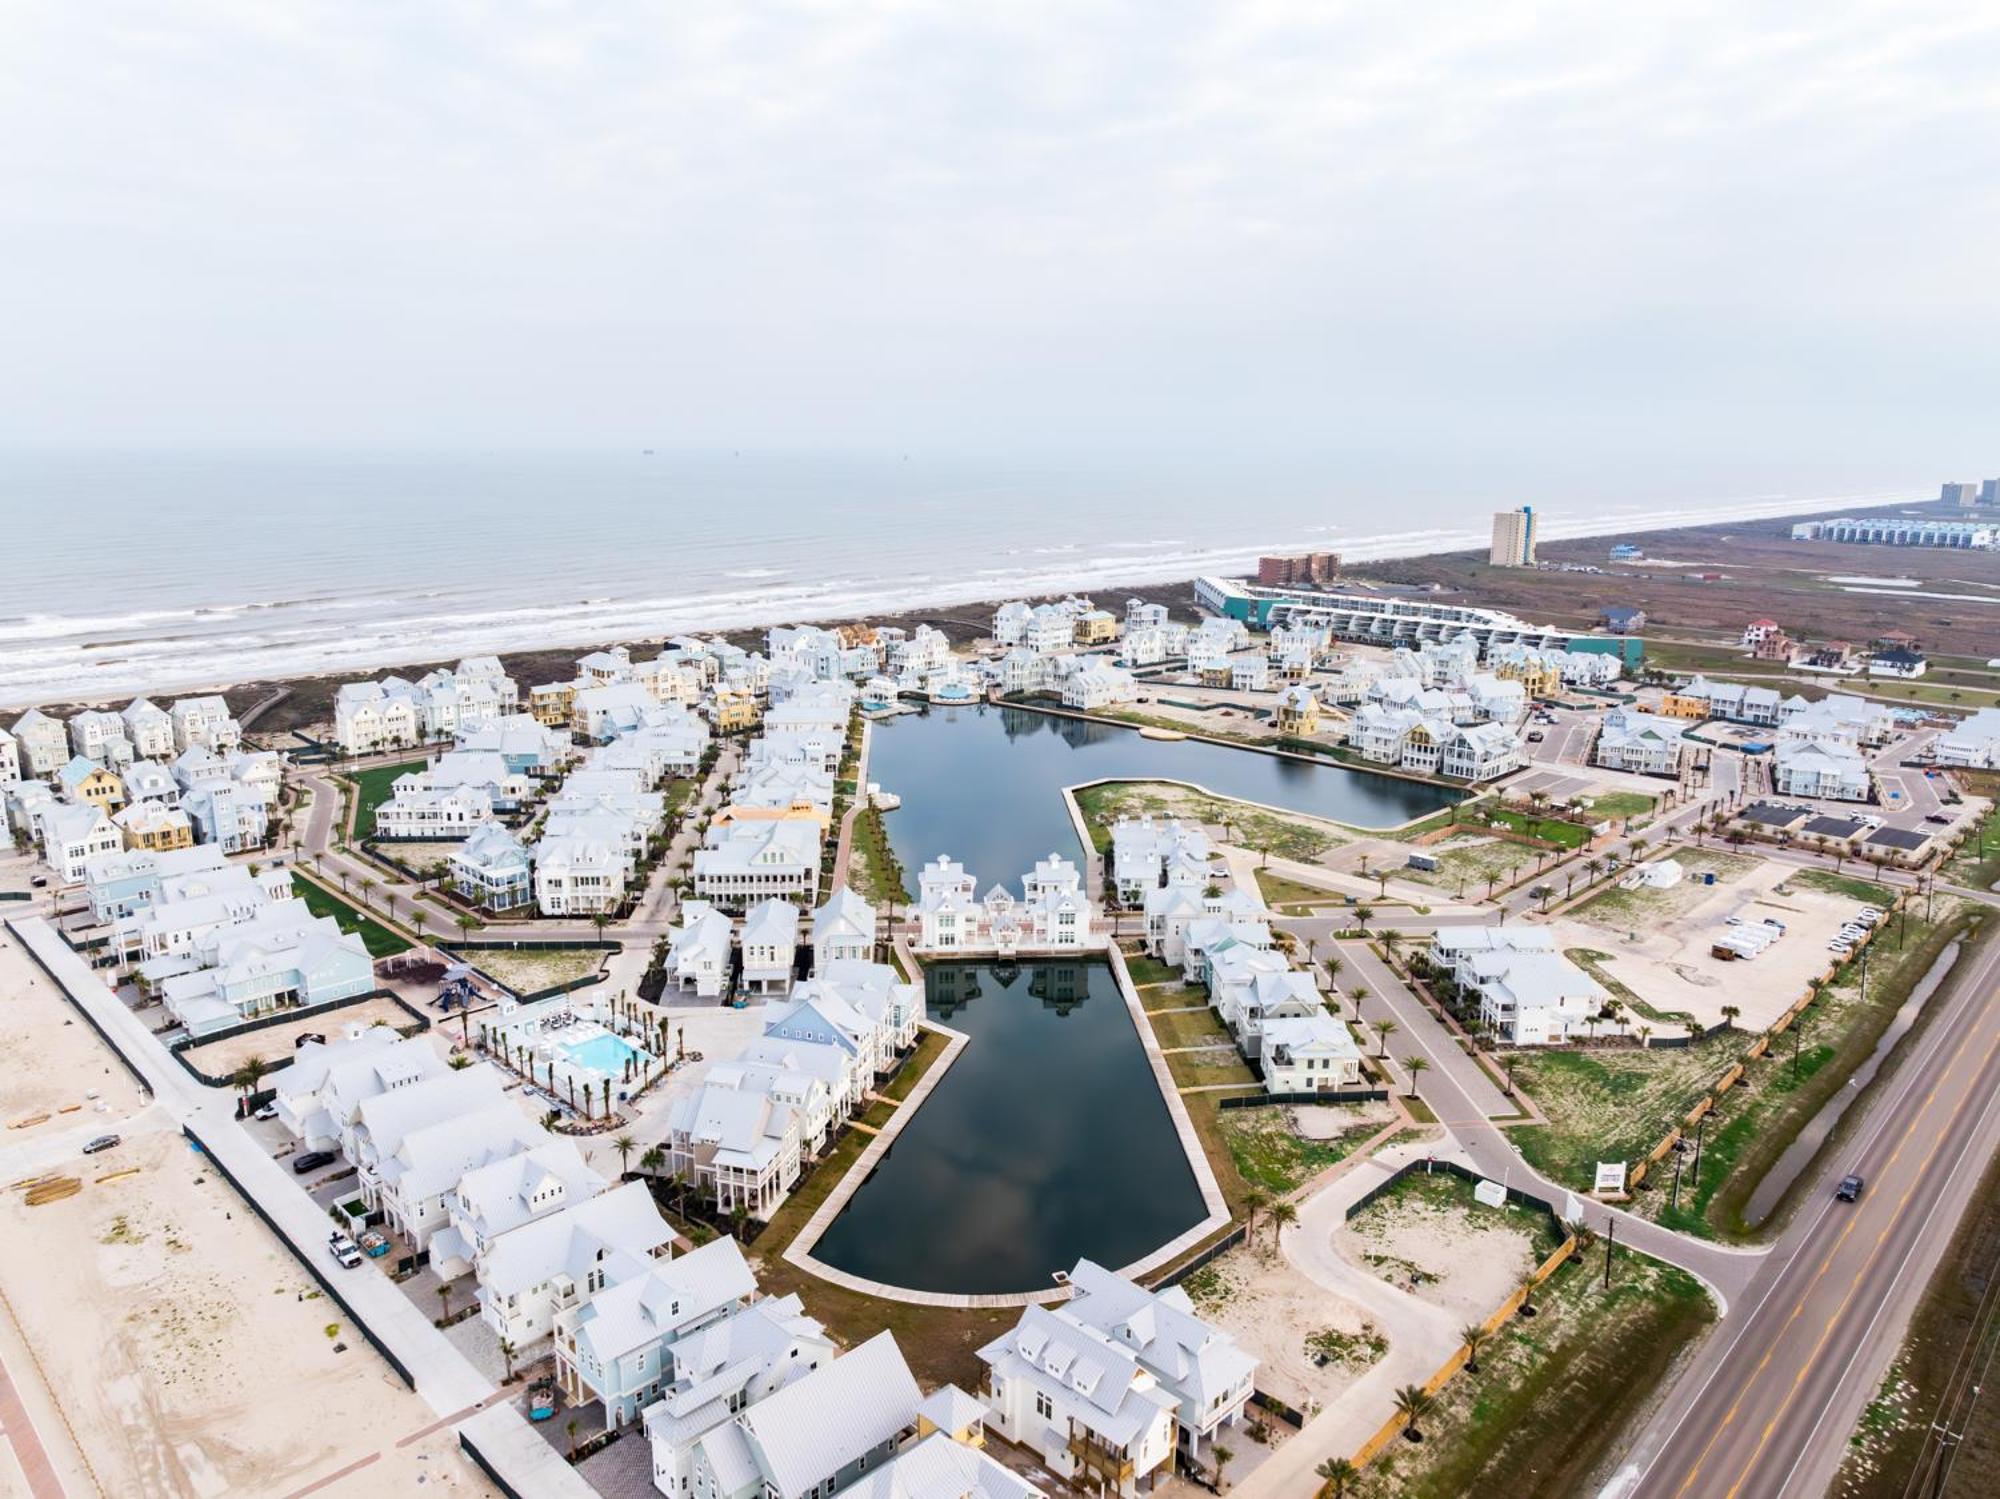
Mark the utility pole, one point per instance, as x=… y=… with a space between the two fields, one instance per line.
x=1699 y=1125
x=1610 y=1243
x=1680 y=1155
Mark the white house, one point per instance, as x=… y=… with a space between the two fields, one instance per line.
x=493 y=1200
x=529 y=1273
x=1529 y=993
x=818 y=1435
x=1829 y=768
x=1309 y=1054
x=150 y=728
x=770 y=942
x=1010 y=623
x=412 y=1183
x=1088 y=1408
x=10 y=758
x=722 y=1369
x=948 y=910
x=744 y=862
x=317 y=1096
x=699 y=950
x=91 y=733
x=417 y=811
x=43 y=743
x=616 y=1346
x=739 y=1147
x=1202 y=1366
x=73 y=835
x=579 y=876
x=206 y=722
x=1643 y=743
x=491 y=868
x=844 y=927
x=1099 y=686
x=1143 y=848
x=1056 y=913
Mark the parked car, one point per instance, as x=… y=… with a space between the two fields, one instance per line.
x=312 y=1160
x=1534 y=736
x=102 y=1142
x=303 y=1037
x=40 y=882
x=1937 y=817
x=1849 y=1189
x=269 y=1111
x=344 y=1250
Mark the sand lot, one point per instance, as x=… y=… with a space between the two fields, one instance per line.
x=189 y=1354
x=1272 y=1310
x=1656 y=943
x=220 y=1058
x=70 y=1062
x=1459 y=1255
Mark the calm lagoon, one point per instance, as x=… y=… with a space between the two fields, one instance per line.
x=984 y=784
x=1047 y=1141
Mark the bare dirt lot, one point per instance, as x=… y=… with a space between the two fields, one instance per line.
x=1428 y=1237
x=221 y=1058
x=1284 y=1319
x=69 y=1062
x=166 y=1345
x=1655 y=944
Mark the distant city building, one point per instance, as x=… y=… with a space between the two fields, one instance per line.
x=1514 y=538
x=1956 y=493
x=1308 y=568
x=1625 y=551
x=1989 y=491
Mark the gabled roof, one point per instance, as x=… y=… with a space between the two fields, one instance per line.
x=812 y=1429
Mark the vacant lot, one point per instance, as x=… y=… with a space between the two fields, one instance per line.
x=191 y=1351
x=1553 y=1392
x=1472 y=863
x=1282 y=1148
x=1291 y=836
x=1429 y=1236
x=527 y=969
x=1611 y=1104
x=1655 y=947
x=222 y=1058
x=70 y=1063
x=1311 y=1344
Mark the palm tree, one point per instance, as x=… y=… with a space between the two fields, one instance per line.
x=250 y=1074
x=1333 y=964
x=1474 y=1337
x=653 y=1161
x=1414 y=1065
x=1283 y=1215
x=459 y=1062
x=1392 y=941
x=1412 y=1404
x=444 y=1301
x=625 y=1145
x=1542 y=894
x=1336 y=1473
x=1381 y=883
x=507 y=1351
x=1363 y=914
x=1384 y=1029
x=1255 y=1200
x=367 y=889
x=1730 y=1014
x=572 y=1439
x=1527 y=1284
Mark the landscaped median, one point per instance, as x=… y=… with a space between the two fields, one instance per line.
x=320 y=901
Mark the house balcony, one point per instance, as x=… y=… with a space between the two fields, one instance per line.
x=1110 y=1466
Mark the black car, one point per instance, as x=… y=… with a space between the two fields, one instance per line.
x=312 y=1160
x=1849 y=1189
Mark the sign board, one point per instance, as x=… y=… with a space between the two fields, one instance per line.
x=1610 y=1177
x=1491 y=1193
x=1572 y=1209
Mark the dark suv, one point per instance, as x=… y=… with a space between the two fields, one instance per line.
x=312 y=1160
x=1849 y=1189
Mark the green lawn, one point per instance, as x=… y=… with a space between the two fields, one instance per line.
x=371 y=789
x=1245 y=825
x=1278 y=891
x=1147 y=970
x=1549 y=829
x=1865 y=891
x=1195 y=1028
x=1268 y=1153
x=1622 y=804
x=1210 y=1068
x=380 y=941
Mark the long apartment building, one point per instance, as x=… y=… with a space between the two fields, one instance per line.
x=1398 y=620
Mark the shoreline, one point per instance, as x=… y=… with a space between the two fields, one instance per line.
x=549 y=660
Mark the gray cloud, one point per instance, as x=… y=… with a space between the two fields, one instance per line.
x=1742 y=231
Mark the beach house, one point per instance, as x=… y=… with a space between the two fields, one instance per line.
x=43 y=746
x=492 y=869
x=154 y=826
x=616 y=1345
x=205 y=721
x=1642 y=743
x=743 y=862
x=843 y=927
x=149 y=728
x=699 y=950
x=319 y=1095
x=578 y=875
x=72 y=834
x=529 y=1273
x=1309 y=1054
x=770 y=944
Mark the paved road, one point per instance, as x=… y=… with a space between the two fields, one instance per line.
x=1766 y=1408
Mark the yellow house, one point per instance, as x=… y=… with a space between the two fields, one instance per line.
x=1097 y=627
x=1298 y=713
x=801 y=810
x=1674 y=705
x=90 y=784
x=733 y=709
x=155 y=827
x=1538 y=676
x=551 y=703
x=1216 y=674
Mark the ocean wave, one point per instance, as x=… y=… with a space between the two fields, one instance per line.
x=102 y=656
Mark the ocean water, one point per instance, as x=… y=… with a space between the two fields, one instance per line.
x=128 y=572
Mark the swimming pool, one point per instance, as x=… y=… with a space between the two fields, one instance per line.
x=605 y=1055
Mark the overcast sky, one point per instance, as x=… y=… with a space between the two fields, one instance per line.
x=1745 y=232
